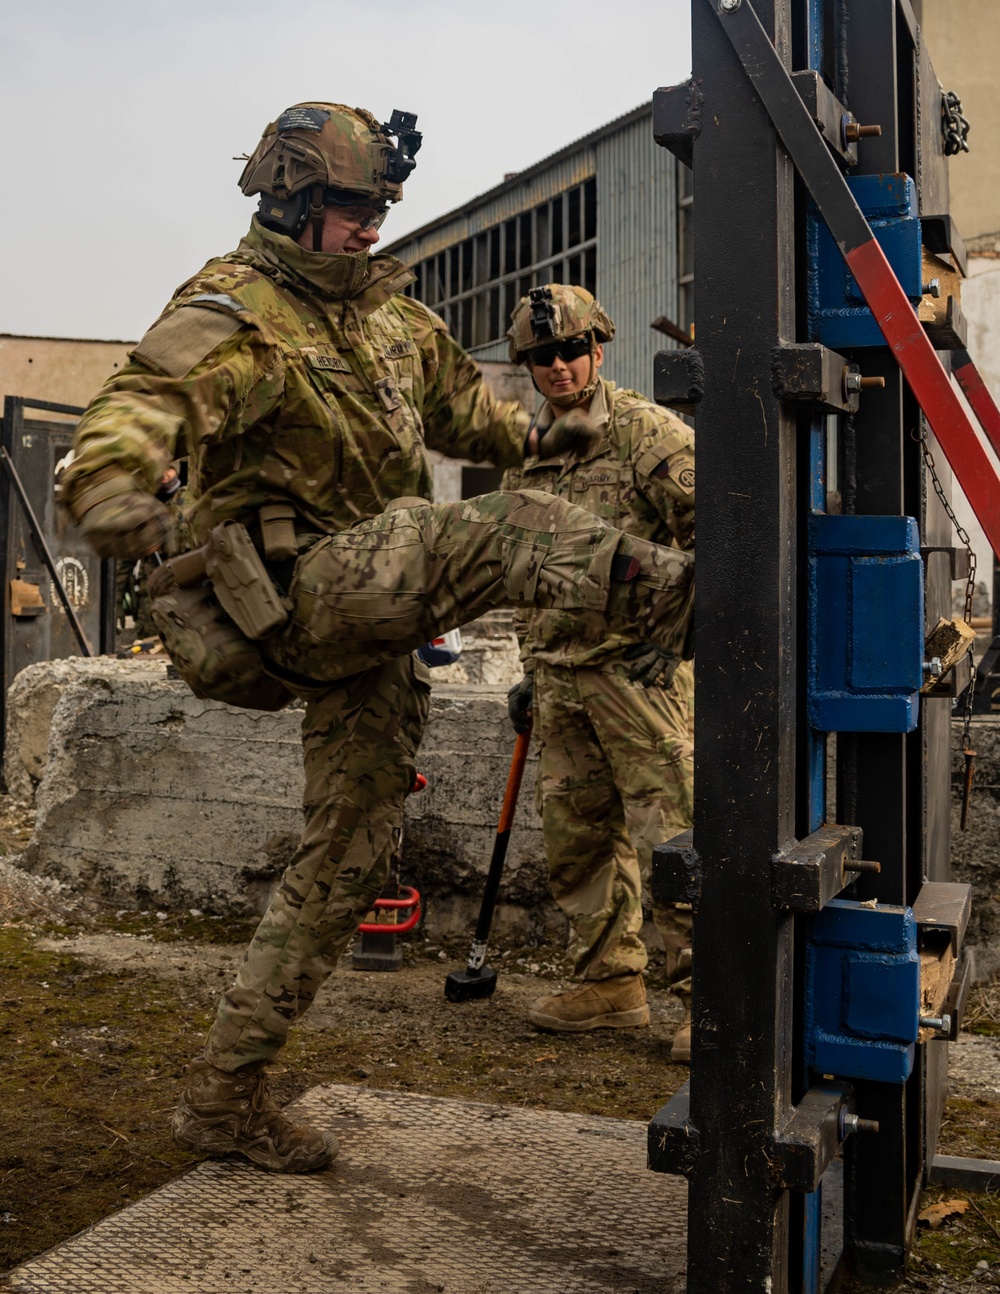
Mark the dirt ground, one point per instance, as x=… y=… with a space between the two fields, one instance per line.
x=102 y=1008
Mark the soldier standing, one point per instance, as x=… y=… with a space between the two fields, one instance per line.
x=613 y=711
x=304 y=390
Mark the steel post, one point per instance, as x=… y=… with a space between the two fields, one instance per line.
x=757 y=1129
x=738 y=1228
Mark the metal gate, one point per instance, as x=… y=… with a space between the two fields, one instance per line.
x=827 y=936
x=59 y=599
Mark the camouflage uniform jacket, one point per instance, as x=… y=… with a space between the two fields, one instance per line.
x=283 y=385
x=639 y=477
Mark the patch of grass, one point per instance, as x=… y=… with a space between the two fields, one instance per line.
x=545 y=1071
x=982 y=1011
x=92 y=1063
x=962 y=1240
x=185 y=927
x=162 y=927
x=970 y=1128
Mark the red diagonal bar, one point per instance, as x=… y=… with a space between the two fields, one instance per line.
x=853 y=235
x=929 y=383
x=978 y=395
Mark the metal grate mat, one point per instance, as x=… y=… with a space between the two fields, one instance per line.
x=426 y=1195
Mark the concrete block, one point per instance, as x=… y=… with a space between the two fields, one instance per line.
x=146 y=793
x=489 y=654
x=150 y=794
x=31 y=701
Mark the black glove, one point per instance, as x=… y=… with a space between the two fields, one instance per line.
x=519 y=699
x=573 y=433
x=654 y=666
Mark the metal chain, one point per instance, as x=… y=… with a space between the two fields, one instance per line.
x=920 y=435
x=954 y=125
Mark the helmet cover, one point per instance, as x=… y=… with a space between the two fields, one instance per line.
x=332 y=146
x=554 y=313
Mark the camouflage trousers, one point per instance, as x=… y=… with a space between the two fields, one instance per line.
x=359 y=739
x=393 y=582
x=616 y=778
x=361 y=600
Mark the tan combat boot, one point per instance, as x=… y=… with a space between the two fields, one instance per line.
x=223 y=1113
x=677 y=965
x=618 y=1003
x=680 y=1050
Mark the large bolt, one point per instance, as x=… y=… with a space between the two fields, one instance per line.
x=863 y=865
x=729 y=6
x=933 y=667
x=854 y=1123
x=854 y=382
x=932 y=288
x=853 y=131
x=940 y=1024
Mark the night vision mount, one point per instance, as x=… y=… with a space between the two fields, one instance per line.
x=543 y=315
x=408 y=140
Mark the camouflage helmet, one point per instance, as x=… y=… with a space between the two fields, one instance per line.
x=317 y=153
x=553 y=313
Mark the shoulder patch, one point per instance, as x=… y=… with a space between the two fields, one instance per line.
x=669 y=458
x=176 y=344
x=684 y=476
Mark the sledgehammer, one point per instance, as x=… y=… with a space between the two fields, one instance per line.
x=479 y=980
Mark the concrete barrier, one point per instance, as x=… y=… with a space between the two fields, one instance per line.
x=145 y=793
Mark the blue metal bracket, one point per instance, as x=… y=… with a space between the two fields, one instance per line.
x=838 y=315
x=862 y=998
x=866 y=624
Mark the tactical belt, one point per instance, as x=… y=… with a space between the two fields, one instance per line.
x=240 y=579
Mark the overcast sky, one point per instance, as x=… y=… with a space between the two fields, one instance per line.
x=122 y=117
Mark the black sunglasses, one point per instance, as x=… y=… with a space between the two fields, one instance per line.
x=570 y=349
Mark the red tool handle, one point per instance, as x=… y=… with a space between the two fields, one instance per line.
x=408 y=898
x=517 y=763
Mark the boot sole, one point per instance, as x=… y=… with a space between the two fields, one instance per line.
x=637 y=1018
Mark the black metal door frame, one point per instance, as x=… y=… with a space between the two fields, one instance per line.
x=36 y=541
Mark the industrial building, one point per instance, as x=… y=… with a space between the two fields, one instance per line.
x=610 y=211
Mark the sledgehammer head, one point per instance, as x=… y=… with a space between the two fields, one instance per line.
x=469 y=985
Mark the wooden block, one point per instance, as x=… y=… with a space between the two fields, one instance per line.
x=949 y=640
x=25 y=599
